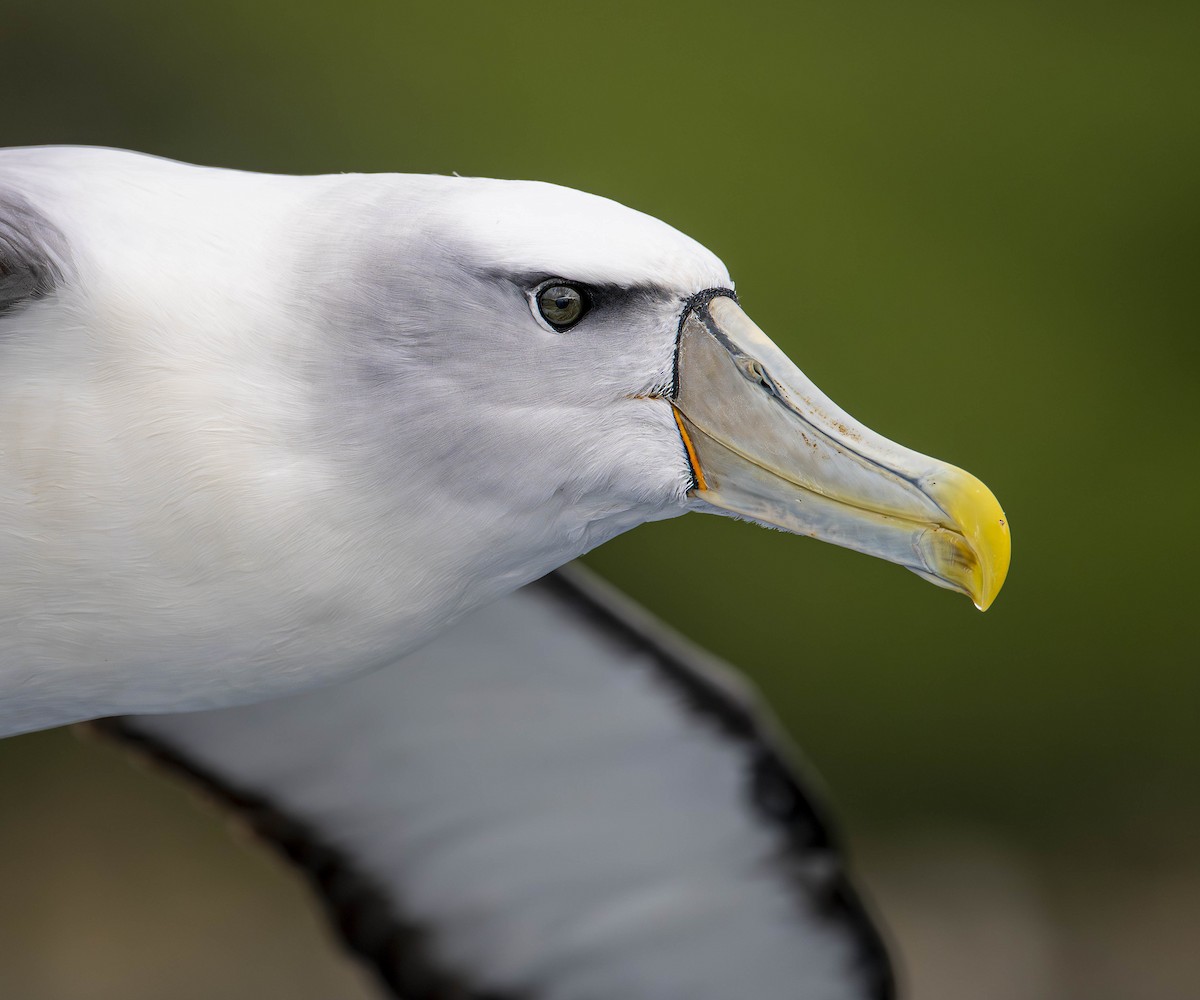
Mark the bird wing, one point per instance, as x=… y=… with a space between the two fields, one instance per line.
x=557 y=798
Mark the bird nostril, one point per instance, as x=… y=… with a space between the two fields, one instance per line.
x=755 y=372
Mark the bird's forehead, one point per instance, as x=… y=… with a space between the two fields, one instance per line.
x=530 y=227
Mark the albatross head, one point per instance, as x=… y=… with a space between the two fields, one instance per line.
x=265 y=432
x=559 y=355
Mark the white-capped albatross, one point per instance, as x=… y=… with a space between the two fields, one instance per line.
x=267 y=435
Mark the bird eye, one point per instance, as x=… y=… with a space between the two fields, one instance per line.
x=562 y=306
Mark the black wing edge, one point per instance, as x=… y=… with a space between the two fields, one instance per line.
x=368 y=923
x=396 y=948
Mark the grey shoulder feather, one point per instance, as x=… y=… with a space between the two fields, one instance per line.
x=34 y=254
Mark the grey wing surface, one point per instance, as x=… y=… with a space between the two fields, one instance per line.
x=556 y=799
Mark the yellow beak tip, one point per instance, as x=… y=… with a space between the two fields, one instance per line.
x=973 y=554
x=980 y=518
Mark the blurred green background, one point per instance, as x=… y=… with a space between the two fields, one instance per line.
x=975 y=225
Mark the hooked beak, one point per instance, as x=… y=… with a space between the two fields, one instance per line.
x=767 y=444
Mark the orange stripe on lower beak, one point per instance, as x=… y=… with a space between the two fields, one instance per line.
x=697 y=472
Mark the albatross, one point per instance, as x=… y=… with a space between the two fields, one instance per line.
x=289 y=467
